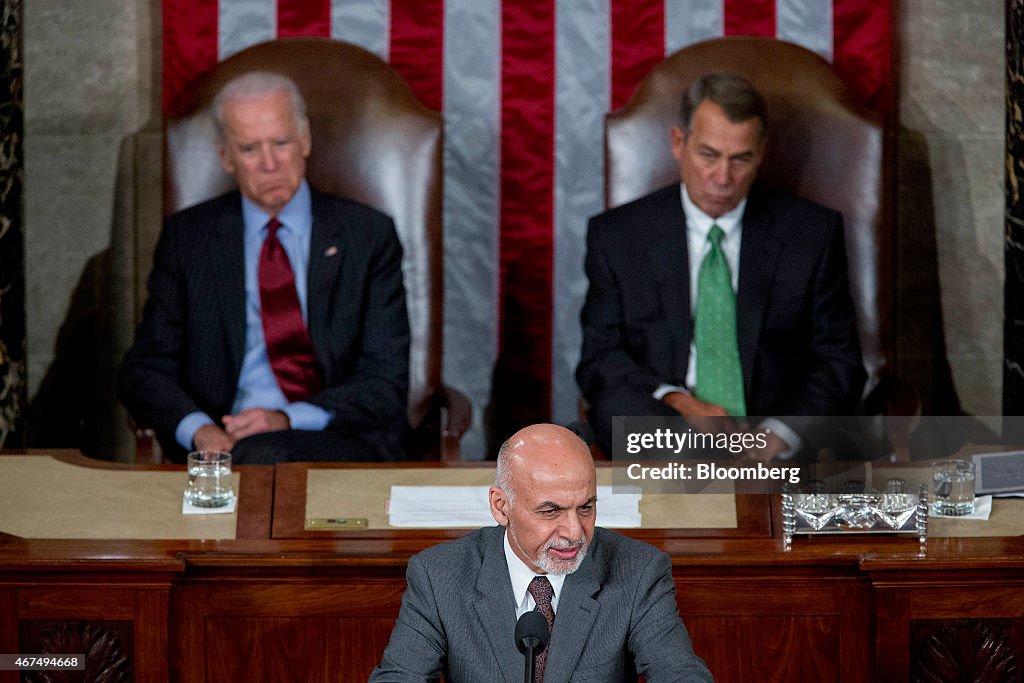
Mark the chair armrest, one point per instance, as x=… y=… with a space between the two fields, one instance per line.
x=897 y=407
x=456 y=415
x=146 y=448
x=893 y=396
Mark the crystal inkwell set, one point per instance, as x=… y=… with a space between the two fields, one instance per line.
x=855 y=510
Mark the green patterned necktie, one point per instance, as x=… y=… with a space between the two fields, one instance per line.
x=719 y=377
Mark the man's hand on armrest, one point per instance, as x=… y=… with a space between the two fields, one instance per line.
x=255 y=421
x=210 y=437
x=774 y=446
x=702 y=416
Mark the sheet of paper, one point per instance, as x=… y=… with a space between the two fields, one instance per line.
x=187 y=508
x=467 y=506
x=1000 y=472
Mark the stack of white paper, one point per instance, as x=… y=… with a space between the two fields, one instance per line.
x=467 y=506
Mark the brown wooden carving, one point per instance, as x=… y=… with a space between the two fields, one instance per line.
x=107 y=646
x=979 y=651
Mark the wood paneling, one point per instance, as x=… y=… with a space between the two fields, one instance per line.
x=763 y=648
x=107 y=646
x=263 y=608
x=977 y=650
x=122 y=627
x=309 y=649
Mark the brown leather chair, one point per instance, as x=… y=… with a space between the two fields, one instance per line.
x=823 y=146
x=374 y=142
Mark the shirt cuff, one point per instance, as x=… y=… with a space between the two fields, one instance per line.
x=187 y=428
x=786 y=433
x=665 y=389
x=304 y=415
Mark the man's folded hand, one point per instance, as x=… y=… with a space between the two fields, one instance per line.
x=255 y=421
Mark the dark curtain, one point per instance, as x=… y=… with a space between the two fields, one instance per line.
x=1013 y=330
x=12 y=237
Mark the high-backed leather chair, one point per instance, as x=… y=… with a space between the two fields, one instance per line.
x=373 y=142
x=822 y=146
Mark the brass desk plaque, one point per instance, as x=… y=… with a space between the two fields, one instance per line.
x=336 y=523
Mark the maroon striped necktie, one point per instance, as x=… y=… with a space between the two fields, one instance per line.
x=289 y=347
x=542 y=591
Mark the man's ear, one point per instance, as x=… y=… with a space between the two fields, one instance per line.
x=499 y=505
x=225 y=161
x=677 y=140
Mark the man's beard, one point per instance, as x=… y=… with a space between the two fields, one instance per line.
x=553 y=565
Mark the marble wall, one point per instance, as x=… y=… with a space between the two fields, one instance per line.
x=93 y=164
x=1013 y=326
x=92 y=131
x=951 y=199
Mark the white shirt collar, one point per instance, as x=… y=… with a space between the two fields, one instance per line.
x=700 y=223
x=521 y=576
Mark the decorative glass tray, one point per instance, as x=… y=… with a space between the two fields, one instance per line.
x=858 y=512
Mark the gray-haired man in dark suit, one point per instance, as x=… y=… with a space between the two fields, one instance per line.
x=276 y=325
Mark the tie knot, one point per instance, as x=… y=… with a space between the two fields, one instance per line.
x=542 y=592
x=715 y=235
x=272 y=225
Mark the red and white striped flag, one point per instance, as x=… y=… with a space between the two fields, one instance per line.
x=524 y=86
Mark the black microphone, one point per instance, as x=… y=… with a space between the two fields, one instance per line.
x=531 y=638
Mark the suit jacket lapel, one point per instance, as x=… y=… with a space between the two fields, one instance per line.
x=496 y=609
x=759 y=253
x=325 y=258
x=231 y=264
x=669 y=261
x=577 y=611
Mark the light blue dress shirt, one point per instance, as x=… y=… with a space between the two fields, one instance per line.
x=257 y=386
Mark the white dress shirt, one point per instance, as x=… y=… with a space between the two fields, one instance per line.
x=521 y=576
x=698 y=225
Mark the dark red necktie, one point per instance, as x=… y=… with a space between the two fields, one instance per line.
x=542 y=591
x=289 y=346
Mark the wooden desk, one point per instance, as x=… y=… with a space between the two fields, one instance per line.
x=278 y=603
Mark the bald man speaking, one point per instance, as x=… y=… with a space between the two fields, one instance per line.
x=609 y=601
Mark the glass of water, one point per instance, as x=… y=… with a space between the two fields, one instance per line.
x=953 y=486
x=209 y=479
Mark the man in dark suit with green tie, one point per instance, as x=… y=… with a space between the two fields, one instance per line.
x=718 y=298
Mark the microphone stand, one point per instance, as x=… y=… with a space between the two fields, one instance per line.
x=531 y=639
x=530 y=643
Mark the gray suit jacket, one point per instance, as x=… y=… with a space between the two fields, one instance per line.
x=617 y=616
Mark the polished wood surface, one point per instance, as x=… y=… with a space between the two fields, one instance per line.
x=753 y=513
x=271 y=605
x=254 y=496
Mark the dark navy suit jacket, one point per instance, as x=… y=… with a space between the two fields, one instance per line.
x=188 y=349
x=796 y=326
